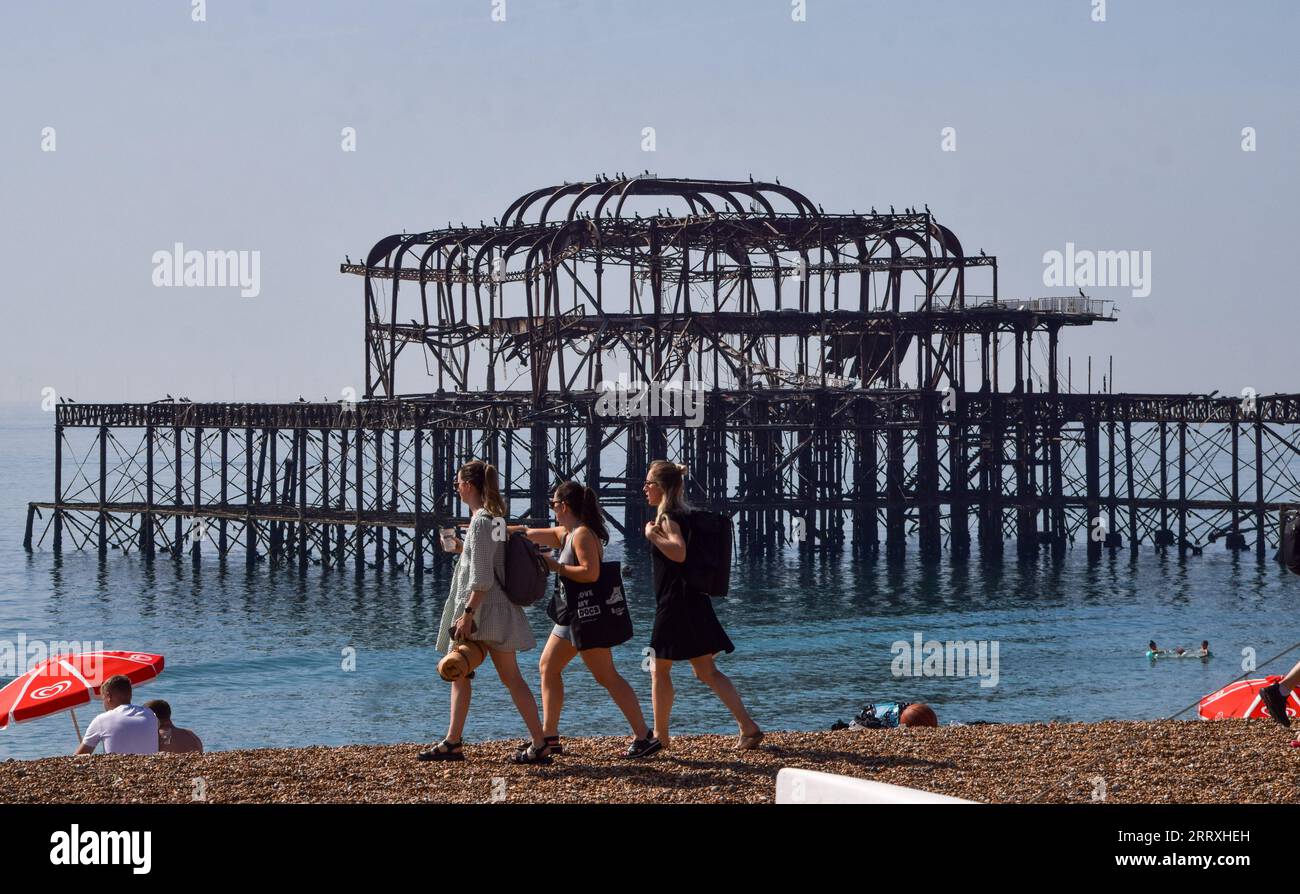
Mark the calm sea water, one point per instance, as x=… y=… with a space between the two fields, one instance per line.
x=255 y=658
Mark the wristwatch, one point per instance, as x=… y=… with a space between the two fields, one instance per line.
x=469 y=610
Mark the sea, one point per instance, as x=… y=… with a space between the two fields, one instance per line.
x=271 y=657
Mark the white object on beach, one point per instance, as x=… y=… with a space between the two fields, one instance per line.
x=813 y=787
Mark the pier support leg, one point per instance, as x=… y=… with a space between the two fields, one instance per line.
x=103 y=490
x=418 y=538
x=1092 y=474
x=147 y=520
x=58 y=487
x=895 y=515
x=927 y=478
x=958 y=479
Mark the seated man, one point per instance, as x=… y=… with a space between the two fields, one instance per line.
x=124 y=728
x=171 y=738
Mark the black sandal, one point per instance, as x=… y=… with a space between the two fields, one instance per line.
x=553 y=745
x=643 y=747
x=532 y=755
x=443 y=751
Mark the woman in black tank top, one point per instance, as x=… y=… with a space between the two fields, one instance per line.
x=685 y=624
x=686 y=627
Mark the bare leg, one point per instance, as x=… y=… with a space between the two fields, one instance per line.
x=555 y=657
x=707 y=671
x=661 y=697
x=601 y=664
x=460 y=694
x=508 y=671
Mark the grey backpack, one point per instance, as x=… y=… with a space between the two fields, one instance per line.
x=526 y=571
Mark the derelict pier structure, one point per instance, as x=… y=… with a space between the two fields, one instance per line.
x=838 y=381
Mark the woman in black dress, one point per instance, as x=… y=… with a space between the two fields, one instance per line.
x=686 y=629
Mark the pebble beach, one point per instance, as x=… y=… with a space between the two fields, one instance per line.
x=1118 y=762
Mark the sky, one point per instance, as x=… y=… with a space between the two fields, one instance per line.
x=226 y=134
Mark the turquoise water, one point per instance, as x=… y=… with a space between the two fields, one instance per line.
x=254 y=658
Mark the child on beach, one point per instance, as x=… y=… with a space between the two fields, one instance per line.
x=580 y=534
x=686 y=628
x=478 y=609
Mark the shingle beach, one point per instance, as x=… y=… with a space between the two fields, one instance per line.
x=1120 y=762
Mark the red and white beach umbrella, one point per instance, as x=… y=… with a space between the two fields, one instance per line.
x=1241 y=700
x=65 y=682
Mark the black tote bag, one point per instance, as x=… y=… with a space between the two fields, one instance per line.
x=595 y=612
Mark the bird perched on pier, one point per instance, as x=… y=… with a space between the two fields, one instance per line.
x=927 y=207
x=873 y=209
x=347 y=259
x=820 y=209
x=1081 y=295
x=891 y=209
x=982 y=255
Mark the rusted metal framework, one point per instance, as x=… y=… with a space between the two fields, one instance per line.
x=853 y=375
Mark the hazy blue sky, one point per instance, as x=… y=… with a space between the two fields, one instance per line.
x=225 y=134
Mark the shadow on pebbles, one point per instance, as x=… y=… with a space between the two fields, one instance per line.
x=1119 y=762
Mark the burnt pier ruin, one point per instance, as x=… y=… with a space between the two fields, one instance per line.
x=833 y=381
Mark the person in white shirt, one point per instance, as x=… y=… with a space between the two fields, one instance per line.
x=124 y=728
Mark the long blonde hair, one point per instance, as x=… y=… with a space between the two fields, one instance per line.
x=483 y=477
x=671 y=478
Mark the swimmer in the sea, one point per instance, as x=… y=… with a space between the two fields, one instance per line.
x=1154 y=651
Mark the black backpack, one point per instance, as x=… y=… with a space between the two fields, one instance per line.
x=708 y=552
x=526 y=571
x=1290 y=552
